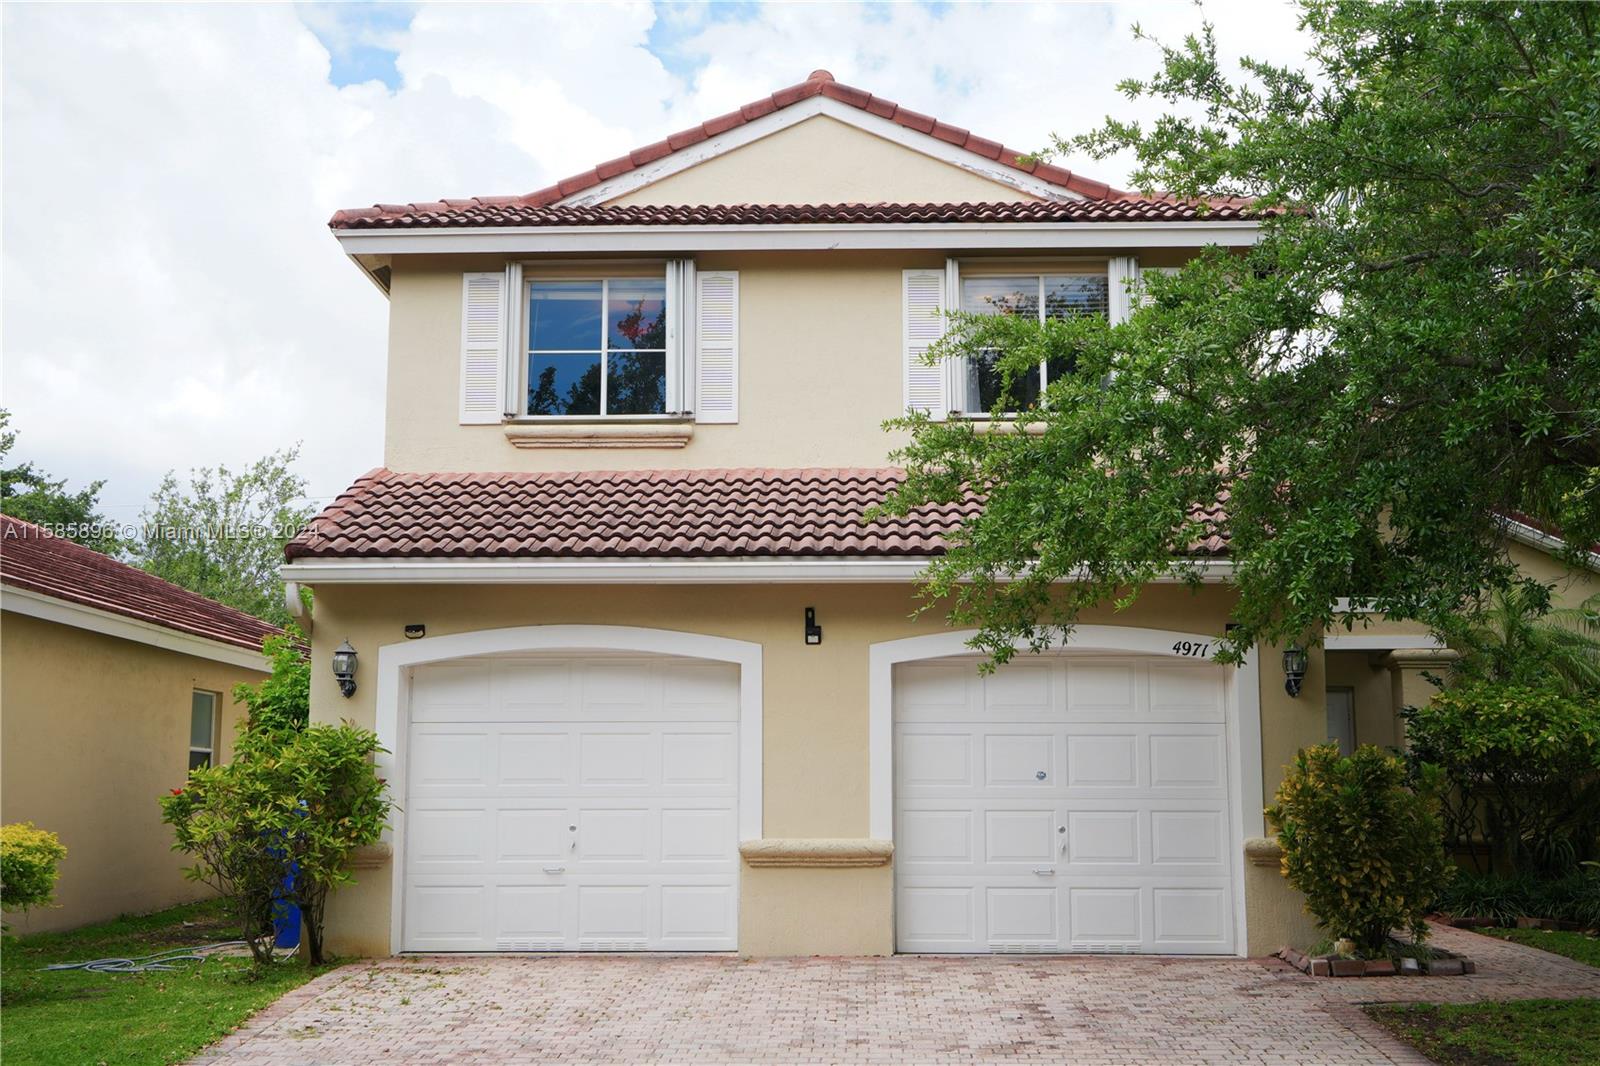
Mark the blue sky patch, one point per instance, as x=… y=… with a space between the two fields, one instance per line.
x=362 y=39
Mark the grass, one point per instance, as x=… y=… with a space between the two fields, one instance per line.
x=1534 y=1032
x=1578 y=946
x=73 y=1018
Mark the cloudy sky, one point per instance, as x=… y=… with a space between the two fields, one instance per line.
x=171 y=295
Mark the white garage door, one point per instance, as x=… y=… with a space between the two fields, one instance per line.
x=572 y=804
x=1065 y=803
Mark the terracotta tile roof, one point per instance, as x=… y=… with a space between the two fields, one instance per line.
x=480 y=213
x=819 y=83
x=32 y=559
x=634 y=514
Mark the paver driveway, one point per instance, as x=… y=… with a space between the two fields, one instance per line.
x=918 y=1009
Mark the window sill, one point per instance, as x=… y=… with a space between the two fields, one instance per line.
x=985 y=424
x=674 y=434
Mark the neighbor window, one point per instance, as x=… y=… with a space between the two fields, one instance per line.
x=598 y=347
x=1038 y=296
x=202 y=729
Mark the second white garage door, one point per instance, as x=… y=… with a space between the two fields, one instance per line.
x=1065 y=803
x=564 y=803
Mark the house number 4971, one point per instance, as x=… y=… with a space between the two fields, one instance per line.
x=1192 y=649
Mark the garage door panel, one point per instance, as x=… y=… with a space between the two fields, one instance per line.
x=1122 y=845
x=934 y=835
x=493 y=861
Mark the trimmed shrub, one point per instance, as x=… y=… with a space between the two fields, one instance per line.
x=28 y=865
x=1363 y=846
x=1524 y=766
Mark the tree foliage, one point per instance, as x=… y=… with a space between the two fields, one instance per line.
x=1364 y=848
x=1519 y=638
x=280 y=702
x=1411 y=349
x=1524 y=766
x=223 y=534
x=28 y=493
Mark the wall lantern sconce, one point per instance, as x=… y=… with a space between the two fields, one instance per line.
x=813 y=631
x=344 y=668
x=1294 y=668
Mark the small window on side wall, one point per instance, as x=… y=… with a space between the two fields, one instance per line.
x=202 y=729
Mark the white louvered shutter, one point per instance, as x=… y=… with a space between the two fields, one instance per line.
x=1122 y=275
x=924 y=323
x=483 y=338
x=717 y=346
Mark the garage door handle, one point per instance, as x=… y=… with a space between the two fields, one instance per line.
x=1044 y=871
x=555 y=869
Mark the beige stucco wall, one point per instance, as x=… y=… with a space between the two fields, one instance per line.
x=815 y=772
x=823 y=161
x=819 y=368
x=92 y=730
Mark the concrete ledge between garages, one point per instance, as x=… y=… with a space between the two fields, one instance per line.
x=817 y=852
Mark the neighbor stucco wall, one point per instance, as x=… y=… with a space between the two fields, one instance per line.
x=93 y=729
x=823 y=161
x=815 y=770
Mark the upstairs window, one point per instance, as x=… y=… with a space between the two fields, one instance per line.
x=597 y=348
x=1038 y=296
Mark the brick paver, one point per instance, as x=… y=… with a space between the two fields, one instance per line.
x=907 y=1009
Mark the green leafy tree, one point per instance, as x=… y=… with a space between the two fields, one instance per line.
x=1412 y=346
x=281 y=702
x=222 y=534
x=28 y=493
x=29 y=858
x=1364 y=848
x=1518 y=638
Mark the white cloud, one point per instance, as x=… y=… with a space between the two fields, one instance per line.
x=171 y=295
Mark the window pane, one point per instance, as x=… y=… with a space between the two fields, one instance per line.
x=564 y=315
x=198 y=759
x=1070 y=295
x=984 y=383
x=636 y=383
x=637 y=315
x=564 y=384
x=1004 y=296
x=202 y=720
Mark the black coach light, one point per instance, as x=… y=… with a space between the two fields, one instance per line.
x=344 y=668
x=1294 y=668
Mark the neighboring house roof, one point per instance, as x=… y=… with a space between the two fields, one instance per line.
x=476 y=213
x=636 y=514
x=34 y=560
x=819 y=83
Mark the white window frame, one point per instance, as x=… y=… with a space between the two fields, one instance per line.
x=1039 y=269
x=216 y=707
x=521 y=276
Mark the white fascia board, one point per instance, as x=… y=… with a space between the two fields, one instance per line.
x=1545 y=542
x=49 y=609
x=934 y=236
x=765 y=126
x=636 y=571
x=1379 y=641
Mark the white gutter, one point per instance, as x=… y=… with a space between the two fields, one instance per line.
x=790 y=571
x=79 y=616
x=1545 y=542
x=939 y=236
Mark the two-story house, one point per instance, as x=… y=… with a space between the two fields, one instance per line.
x=646 y=679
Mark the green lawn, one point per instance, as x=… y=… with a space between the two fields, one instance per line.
x=74 y=1018
x=1535 y=1032
x=1573 y=945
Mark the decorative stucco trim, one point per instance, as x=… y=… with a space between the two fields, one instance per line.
x=49 y=609
x=395 y=662
x=371 y=857
x=1242 y=697
x=593 y=435
x=822 y=852
x=1378 y=641
x=1403 y=658
x=1263 y=851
